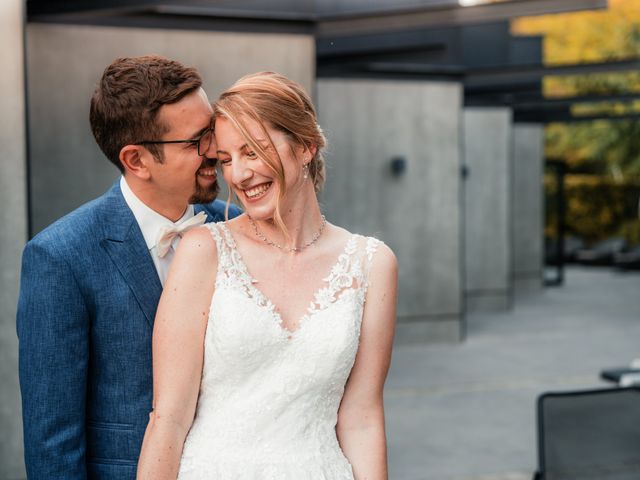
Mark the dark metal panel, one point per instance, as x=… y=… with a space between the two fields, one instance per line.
x=319 y=9
x=523 y=50
x=152 y=20
x=563 y=116
x=543 y=102
x=479 y=47
x=381 y=70
x=424 y=18
x=243 y=8
x=492 y=76
x=55 y=7
x=485 y=45
x=361 y=15
x=281 y=10
x=382 y=42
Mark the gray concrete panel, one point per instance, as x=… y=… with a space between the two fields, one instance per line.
x=528 y=207
x=488 y=301
x=370 y=122
x=487 y=235
x=13 y=234
x=66 y=61
x=428 y=330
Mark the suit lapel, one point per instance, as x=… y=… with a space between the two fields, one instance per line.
x=126 y=247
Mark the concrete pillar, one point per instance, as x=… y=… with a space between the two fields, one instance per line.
x=487 y=245
x=528 y=207
x=371 y=125
x=66 y=61
x=13 y=233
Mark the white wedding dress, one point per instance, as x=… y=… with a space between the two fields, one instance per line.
x=269 y=398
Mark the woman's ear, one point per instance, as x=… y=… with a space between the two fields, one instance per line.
x=311 y=149
x=134 y=160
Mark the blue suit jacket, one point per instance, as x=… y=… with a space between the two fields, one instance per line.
x=88 y=298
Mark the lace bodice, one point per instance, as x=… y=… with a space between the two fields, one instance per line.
x=269 y=397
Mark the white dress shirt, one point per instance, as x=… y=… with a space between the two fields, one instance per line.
x=150 y=223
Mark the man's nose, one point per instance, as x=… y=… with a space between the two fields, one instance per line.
x=212 y=150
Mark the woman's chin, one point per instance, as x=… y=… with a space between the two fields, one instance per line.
x=261 y=208
x=259 y=214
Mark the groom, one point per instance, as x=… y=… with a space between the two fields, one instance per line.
x=91 y=281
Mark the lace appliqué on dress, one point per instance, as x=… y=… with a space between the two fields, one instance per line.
x=341 y=277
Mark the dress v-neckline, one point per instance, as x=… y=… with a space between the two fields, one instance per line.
x=316 y=304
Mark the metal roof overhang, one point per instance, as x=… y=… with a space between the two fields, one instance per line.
x=402 y=39
x=330 y=16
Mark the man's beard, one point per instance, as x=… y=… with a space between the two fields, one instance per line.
x=203 y=195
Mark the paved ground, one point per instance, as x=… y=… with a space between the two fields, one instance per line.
x=467 y=411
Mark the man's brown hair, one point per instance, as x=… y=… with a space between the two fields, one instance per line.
x=125 y=105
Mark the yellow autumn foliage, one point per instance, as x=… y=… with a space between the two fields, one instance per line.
x=611 y=34
x=587 y=36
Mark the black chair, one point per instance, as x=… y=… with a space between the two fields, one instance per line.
x=589 y=435
x=629 y=260
x=602 y=253
x=623 y=376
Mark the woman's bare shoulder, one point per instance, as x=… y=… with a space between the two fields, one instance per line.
x=198 y=246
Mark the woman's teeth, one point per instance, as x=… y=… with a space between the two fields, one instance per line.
x=257 y=191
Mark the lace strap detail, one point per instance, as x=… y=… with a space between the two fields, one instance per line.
x=214 y=230
x=350 y=272
x=372 y=246
x=370 y=249
x=341 y=277
x=234 y=272
x=224 y=259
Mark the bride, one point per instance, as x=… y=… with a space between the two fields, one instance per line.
x=273 y=336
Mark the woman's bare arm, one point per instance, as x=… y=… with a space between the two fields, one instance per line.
x=360 y=428
x=178 y=349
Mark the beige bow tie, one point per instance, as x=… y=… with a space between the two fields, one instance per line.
x=168 y=233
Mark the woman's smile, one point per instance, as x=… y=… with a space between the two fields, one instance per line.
x=257 y=192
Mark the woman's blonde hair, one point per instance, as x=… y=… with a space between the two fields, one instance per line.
x=271 y=99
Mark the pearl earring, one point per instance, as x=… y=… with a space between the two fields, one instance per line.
x=305 y=171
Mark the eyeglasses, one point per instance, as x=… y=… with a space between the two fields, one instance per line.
x=203 y=141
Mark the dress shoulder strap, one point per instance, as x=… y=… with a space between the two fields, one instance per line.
x=219 y=233
x=231 y=269
x=371 y=246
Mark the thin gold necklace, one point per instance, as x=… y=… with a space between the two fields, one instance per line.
x=313 y=240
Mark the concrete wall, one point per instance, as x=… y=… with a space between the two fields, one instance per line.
x=528 y=207
x=13 y=233
x=65 y=62
x=369 y=122
x=487 y=156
